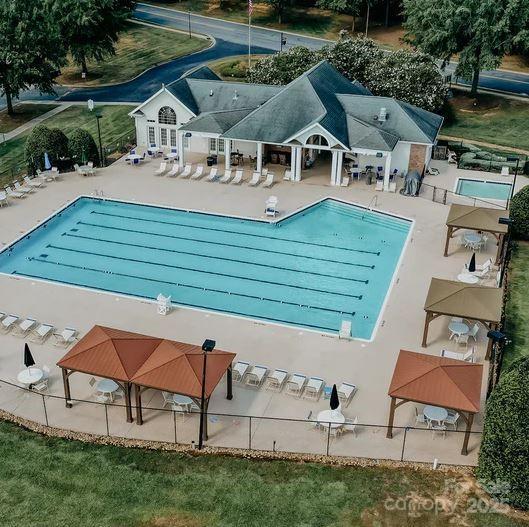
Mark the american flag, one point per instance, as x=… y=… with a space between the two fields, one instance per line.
x=250 y=7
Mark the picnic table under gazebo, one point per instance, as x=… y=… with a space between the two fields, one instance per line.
x=479 y=219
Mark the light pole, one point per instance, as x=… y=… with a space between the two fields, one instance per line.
x=207 y=346
x=517 y=159
x=283 y=42
x=91 y=105
x=189 y=22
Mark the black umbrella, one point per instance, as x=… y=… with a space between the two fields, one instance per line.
x=472 y=264
x=335 y=402
x=28 y=358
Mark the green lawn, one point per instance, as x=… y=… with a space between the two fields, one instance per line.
x=114 y=124
x=138 y=48
x=233 y=68
x=495 y=120
x=55 y=483
x=517 y=307
x=23 y=113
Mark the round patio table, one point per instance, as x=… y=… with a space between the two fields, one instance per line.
x=435 y=413
x=459 y=328
x=183 y=400
x=472 y=237
x=107 y=386
x=336 y=419
x=468 y=278
x=172 y=155
x=30 y=376
x=134 y=157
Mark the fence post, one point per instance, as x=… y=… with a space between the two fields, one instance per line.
x=433 y=193
x=328 y=438
x=403 y=444
x=250 y=434
x=45 y=411
x=174 y=423
x=106 y=419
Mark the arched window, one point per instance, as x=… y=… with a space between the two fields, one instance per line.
x=317 y=139
x=166 y=115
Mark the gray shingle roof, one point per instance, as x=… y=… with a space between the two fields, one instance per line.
x=216 y=122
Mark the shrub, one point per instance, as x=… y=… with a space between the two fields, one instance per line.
x=505 y=445
x=520 y=214
x=82 y=147
x=41 y=140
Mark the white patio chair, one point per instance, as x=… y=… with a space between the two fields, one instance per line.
x=41 y=333
x=8 y=323
x=163 y=304
x=66 y=337
x=346 y=330
x=14 y=194
x=24 y=326
x=255 y=179
x=269 y=181
x=3 y=198
x=161 y=170
x=237 y=180
x=239 y=370
x=295 y=385
x=103 y=398
x=393 y=186
x=197 y=174
x=226 y=177
x=452 y=419
x=187 y=171
x=420 y=418
x=346 y=392
x=473 y=333
x=276 y=380
x=350 y=425
x=438 y=429
x=41 y=386
x=33 y=182
x=256 y=376
x=287 y=176
x=264 y=172
x=213 y=174
x=167 y=399
x=379 y=187
x=173 y=172
x=345 y=181
x=313 y=389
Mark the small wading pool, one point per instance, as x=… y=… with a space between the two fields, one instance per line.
x=329 y=262
x=483 y=189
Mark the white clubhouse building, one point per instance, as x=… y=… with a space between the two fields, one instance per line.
x=320 y=118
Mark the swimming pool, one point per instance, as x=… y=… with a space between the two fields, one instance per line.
x=329 y=262
x=483 y=189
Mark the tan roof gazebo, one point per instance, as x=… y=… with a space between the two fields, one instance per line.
x=482 y=219
x=458 y=299
x=437 y=381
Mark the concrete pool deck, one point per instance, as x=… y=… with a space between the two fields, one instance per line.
x=369 y=365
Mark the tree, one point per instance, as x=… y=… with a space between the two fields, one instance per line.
x=520 y=214
x=279 y=7
x=42 y=140
x=505 y=445
x=480 y=32
x=349 y=7
x=31 y=49
x=82 y=147
x=91 y=27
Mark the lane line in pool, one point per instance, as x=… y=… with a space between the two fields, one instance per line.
x=214 y=229
x=214 y=273
x=177 y=284
x=175 y=237
x=223 y=258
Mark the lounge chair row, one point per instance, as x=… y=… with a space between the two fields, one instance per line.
x=295 y=384
x=234 y=177
x=20 y=189
x=34 y=331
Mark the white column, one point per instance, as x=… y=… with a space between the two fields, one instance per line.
x=387 y=172
x=339 y=166
x=297 y=176
x=227 y=154
x=259 y=166
x=334 y=164
x=180 y=142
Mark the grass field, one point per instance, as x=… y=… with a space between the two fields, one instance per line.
x=54 y=483
x=233 y=68
x=114 y=124
x=23 y=113
x=517 y=307
x=138 y=48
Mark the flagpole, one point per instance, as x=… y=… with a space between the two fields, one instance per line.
x=250 y=9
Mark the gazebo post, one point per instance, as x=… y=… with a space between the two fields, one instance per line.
x=499 y=252
x=470 y=419
x=127 y=402
x=491 y=342
x=448 y=237
x=139 y=416
x=66 y=384
x=229 y=383
x=427 y=320
x=205 y=421
x=392 y=407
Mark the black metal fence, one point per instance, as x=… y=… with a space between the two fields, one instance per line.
x=448 y=197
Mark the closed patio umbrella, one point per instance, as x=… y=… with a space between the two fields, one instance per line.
x=47 y=164
x=472 y=264
x=335 y=402
x=28 y=358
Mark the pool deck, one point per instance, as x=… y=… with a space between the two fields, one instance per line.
x=369 y=365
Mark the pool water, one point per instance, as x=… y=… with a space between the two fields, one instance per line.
x=483 y=189
x=330 y=262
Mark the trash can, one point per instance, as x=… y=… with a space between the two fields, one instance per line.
x=209 y=161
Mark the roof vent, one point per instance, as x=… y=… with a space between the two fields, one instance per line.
x=211 y=93
x=382 y=115
x=235 y=95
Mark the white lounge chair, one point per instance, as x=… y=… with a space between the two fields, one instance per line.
x=295 y=385
x=3 y=199
x=187 y=171
x=239 y=370
x=20 y=188
x=313 y=389
x=41 y=333
x=8 y=323
x=213 y=174
x=393 y=186
x=66 y=337
x=264 y=172
x=226 y=177
x=23 y=327
x=345 y=181
x=161 y=170
x=255 y=179
x=197 y=174
x=467 y=357
x=175 y=168
x=276 y=380
x=237 y=180
x=256 y=376
x=33 y=182
x=14 y=194
x=287 y=176
x=346 y=392
x=269 y=181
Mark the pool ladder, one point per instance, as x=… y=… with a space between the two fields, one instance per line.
x=372 y=203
